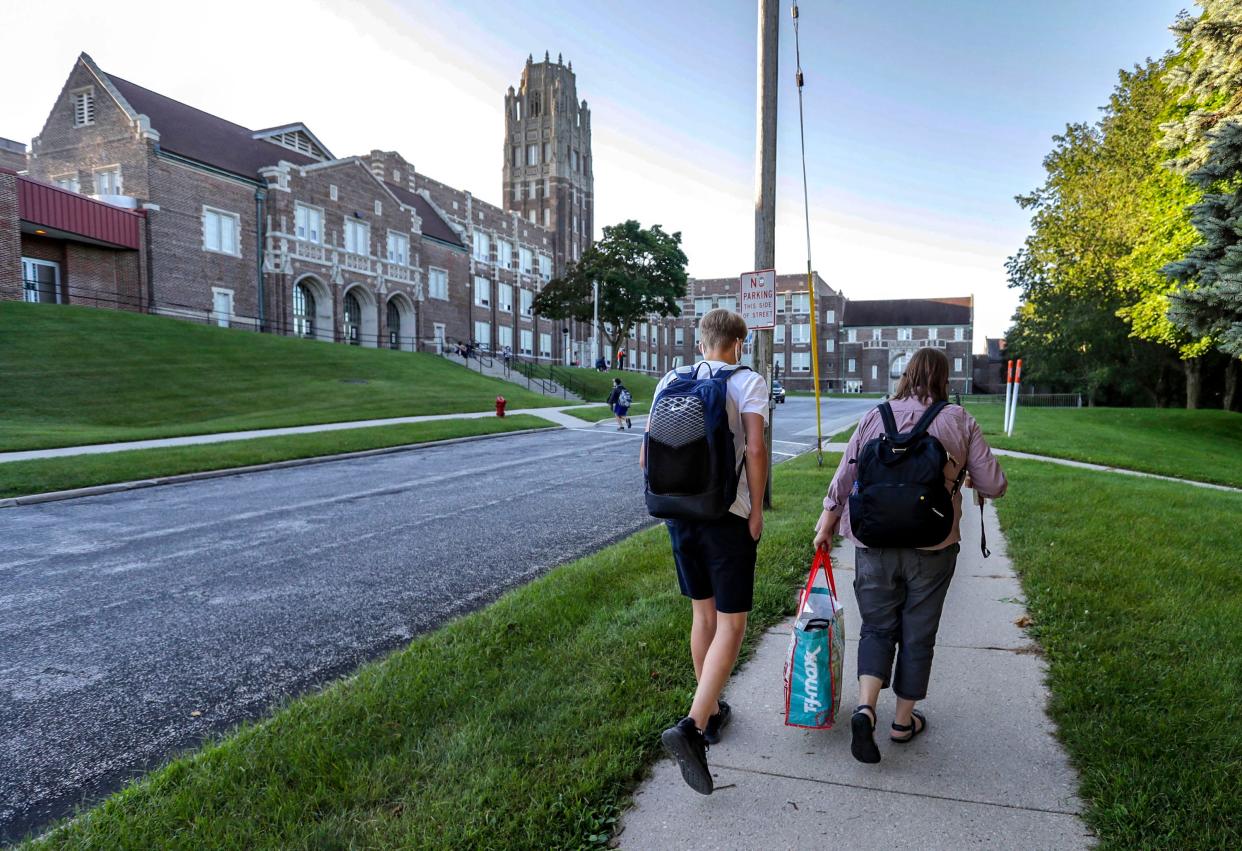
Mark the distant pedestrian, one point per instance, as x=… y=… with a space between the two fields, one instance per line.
x=620 y=400
x=601 y=365
x=507 y=354
x=900 y=590
x=621 y=359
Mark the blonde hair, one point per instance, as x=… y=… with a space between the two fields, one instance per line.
x=720 y=327
x=925 y=378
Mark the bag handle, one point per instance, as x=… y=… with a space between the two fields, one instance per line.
x=823 y=561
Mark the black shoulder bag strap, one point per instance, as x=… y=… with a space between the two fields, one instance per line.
x=890 y=424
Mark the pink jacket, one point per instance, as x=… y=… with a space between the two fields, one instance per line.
x=962 y=440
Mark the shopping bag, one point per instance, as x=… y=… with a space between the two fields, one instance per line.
x=813 y=666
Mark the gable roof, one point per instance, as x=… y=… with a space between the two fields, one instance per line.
x=908 y=311
x=433 y=225
x=203 y=137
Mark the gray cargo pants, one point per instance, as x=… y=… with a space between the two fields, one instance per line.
x=900 y=595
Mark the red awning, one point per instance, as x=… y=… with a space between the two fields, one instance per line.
x=76 y=215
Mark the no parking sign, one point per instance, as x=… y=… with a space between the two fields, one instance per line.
x=757 y=298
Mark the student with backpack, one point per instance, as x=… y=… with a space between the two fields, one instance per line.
x=896 y=496
x=620 y=400
x=705 y=463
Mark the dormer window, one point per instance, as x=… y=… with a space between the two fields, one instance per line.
x=295 y=137
x=84 y=107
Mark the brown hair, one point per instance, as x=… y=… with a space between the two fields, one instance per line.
x=719 y=327
x=925 y=378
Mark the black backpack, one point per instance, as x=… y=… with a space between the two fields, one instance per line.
x=692 y=469
x=899 y=498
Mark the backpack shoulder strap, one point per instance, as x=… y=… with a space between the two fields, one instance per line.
x=729 y=369
x=925 y=421
x=890 y=424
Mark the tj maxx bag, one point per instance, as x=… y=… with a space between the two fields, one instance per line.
x=813 y=666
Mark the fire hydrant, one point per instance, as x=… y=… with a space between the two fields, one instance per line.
x=500 y=406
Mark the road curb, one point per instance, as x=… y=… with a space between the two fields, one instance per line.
x=117 y=487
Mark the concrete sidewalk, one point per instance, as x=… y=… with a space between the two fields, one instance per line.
x=988 y=771
x=553 y=414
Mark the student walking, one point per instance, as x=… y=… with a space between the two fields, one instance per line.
x=620 y=400
x=714 y=552
x=886 y=499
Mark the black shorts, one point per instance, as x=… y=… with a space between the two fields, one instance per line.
x=715 y=558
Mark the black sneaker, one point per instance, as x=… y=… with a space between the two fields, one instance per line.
x=717 y=723
x=628 y=424
x=686 y=744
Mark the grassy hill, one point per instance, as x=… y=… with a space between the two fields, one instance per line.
x=75 y=375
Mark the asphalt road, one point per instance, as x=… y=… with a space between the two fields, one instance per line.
x=136 y=624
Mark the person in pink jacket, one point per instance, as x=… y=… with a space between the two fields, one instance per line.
x=901 y=591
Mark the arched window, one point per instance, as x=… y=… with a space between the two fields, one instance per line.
x=899 y=365
x=394 y=325
x=353 y=320
x=303 y=311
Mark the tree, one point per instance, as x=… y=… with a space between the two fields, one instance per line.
x=641 y=273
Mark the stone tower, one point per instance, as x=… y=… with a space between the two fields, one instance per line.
x=547 y=173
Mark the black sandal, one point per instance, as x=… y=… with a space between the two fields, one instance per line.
x=911 y=730
x=862 y=726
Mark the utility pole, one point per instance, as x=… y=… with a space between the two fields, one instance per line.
x=595 y=327
x=765 y=187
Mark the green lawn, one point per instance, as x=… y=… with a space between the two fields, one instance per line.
x=1136 y=594
x=18 y=478
x=75 y=375
x=1204 y=445
x=524 y=725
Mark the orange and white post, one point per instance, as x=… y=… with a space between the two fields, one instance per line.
x=1008 y=398
x=1013 y=405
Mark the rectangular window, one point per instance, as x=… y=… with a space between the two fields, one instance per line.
x=398 y=248
x=504 y=336
x=545 y=345
x=527 y=299
x=851 y=335
x=532 y=158
x=483 y=334
x=702 y=305
x=545 y=267
x=437 y=283
x=679 y=337
x=308 y=223
x=877 y=335
x=482 y=246
x=800 y=362
x=780 y=302
x=728 y=302
x=504 y=253
x=357 y=237
x=547 y=152
x=526 y=261
x=959 y=334
x=802 y=333
x=83 y=107
x=904 y=334
x=851 y=365
x=69 y=182
x=875 y=372
x=932 y=332
x=108 y=181
x=801 y=302
x=528 y=341
x=221 y=231
x=830 y=317
x=504 y=297
x=221 y=306
x=830 y=345
x=778 y=335
x=482 y=292
x=547 y=217
x=957 y=364
x=573 y=159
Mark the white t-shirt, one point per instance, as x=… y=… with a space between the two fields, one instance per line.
x=747 y=394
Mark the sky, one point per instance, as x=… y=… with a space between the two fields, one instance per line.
x=923 y=119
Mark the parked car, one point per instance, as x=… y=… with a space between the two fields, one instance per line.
x=778 y=392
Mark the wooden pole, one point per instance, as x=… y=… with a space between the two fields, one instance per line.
x=765 y=186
